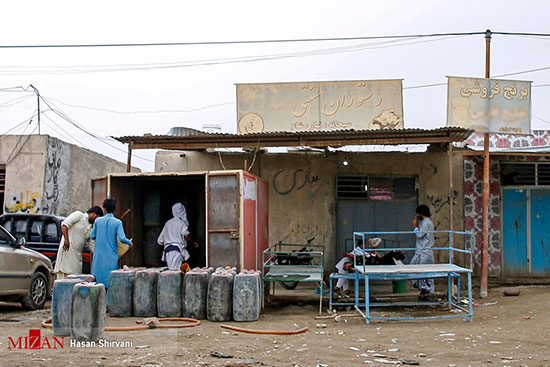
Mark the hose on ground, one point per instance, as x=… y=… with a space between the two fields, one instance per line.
x=152 y=323
x=272 y=332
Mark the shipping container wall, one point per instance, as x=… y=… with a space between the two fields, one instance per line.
x=219 y=205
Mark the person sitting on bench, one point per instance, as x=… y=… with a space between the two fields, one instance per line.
x=346 y=263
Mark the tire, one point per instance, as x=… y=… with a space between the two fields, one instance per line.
x=289 y=285
x=37 y=293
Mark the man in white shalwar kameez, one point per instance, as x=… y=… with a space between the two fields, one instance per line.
x=174 y=238
x=76 y=229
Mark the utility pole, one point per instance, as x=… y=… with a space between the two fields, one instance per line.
x=38 y=104
x=486 y=184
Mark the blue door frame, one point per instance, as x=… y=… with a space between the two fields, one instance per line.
x=525 y=225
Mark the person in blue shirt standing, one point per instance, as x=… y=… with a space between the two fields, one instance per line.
x=105 y=233
x=423 y=230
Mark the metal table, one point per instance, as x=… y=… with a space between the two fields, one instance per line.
x=418 y=271
x=274 y=272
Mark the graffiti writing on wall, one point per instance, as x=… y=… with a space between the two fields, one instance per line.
x=286 y=181
x=51 y=186
x=25 y=202
x=436 y=205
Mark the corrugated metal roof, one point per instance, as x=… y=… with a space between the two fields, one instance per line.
x=205 y=140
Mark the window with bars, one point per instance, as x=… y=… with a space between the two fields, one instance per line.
x=525 y=174
x=364 y=187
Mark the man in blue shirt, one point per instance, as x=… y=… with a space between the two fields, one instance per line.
x=423 y=230
x=105 y=233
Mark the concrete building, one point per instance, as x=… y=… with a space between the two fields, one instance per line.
x=42 y=174
x=519 y=203
x=329 y=194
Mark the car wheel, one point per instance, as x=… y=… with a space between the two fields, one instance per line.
x=37 y=293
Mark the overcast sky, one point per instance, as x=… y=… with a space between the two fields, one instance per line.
x=194 y=85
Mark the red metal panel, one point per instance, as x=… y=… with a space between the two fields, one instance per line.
x=99 y=191
x=262 y=218
x=249 y=221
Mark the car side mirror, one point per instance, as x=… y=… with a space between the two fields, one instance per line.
x=20 y=242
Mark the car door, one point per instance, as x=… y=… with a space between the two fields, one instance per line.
x=15 y=266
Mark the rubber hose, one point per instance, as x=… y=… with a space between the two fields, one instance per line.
x=252 y=331
x=47 y=324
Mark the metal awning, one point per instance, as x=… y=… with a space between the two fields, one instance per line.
x=204 y=140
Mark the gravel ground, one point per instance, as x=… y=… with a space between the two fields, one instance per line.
x=506 y=331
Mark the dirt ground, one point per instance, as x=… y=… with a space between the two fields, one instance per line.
x=506 y=331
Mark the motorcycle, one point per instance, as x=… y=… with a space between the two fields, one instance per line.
x=300 y=257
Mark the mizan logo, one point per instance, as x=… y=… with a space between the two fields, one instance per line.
x=35 y=341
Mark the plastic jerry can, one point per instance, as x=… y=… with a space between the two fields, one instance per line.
x=88 y=312
x=61 y=305
x=219 y=305
x=121 y=289
x=194 y=294
x=169 y=289
x=145 y=293
x=247 y=303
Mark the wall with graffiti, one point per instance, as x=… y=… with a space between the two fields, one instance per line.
x=23 y=157
x=45 y=175
x=302 y=198
x=56 y=178
x=23 y=202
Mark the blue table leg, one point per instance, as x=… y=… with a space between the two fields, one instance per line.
x=449 y=289
x=356 y=285
x=330 y=293
x=471 y=307
x=367 y=300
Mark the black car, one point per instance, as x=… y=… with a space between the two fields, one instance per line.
x=42 y=233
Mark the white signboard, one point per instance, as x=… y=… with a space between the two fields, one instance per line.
x=320 y=106
x=489 y=105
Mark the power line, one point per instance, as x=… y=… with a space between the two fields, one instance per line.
x=10 y=158
x=496 y=76
x=64 y=116
x=155 y=66
x=15 y=101
x=59 y=127
x=522 y=34
x=29 y=120
x=143 y=111
x=246 y=42
x=14 y=89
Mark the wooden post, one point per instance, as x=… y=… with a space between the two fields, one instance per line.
x=486 y=186
x=129 y=164
x=451 y=188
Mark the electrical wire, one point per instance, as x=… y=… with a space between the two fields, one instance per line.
x=138 y=67
x=495 y=76
x=69 y=137
x=65 y=131
x=143 y=111
x=10 y=158
x=14 y=89
x=29 y=120
x=247 y=42
x=15 y=101
x=64 y=116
